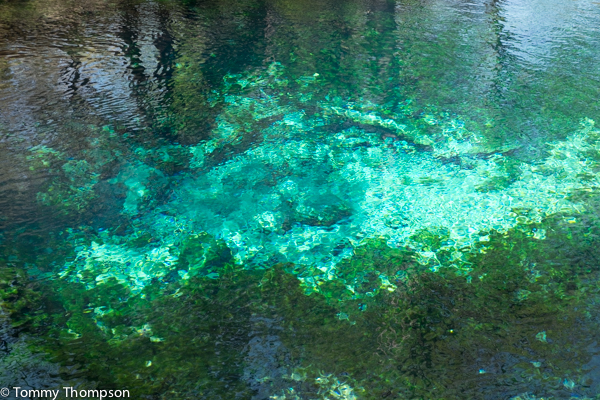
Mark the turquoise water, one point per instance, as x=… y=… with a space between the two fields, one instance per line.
x=300 y=199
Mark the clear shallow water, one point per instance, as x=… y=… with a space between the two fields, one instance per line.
x=301 y=199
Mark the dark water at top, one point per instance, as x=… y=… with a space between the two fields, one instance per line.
x=301 y=199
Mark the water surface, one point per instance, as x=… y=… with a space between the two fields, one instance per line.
x=301 y=199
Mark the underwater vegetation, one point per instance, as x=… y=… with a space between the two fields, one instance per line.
x=523 y=321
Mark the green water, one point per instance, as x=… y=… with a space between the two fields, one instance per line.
x=300 y=199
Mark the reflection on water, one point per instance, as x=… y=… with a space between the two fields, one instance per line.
x=294 y=200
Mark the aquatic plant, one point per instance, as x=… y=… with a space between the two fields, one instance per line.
x=259 y=332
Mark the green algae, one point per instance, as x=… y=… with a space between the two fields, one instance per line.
x=419 y=338
x=203 y=255
x=72 y=189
